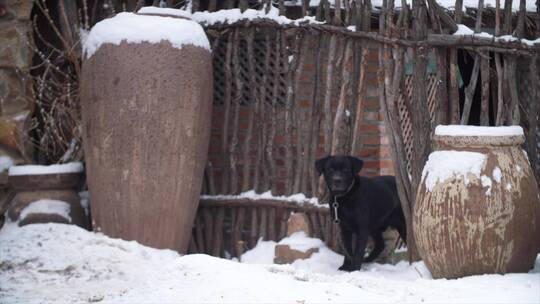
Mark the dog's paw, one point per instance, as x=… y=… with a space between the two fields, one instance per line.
x=346 y=267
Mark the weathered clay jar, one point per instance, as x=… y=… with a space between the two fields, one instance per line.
x=483 y=221
x=146 y=110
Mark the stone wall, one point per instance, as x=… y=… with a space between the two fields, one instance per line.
x=15 y=83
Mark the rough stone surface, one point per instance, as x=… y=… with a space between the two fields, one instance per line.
x=490 y=225
x=298 y=222
x=18 y=9
x=24 y=198
x=146 y=112
x=15 y=83
x=15 y=89
x=285 y=255
x=14 y=50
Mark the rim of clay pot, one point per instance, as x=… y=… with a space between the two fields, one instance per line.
x=479 y=141
x=478 y=136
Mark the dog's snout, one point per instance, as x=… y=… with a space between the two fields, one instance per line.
x=337 y=178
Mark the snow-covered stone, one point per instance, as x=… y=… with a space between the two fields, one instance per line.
x=74 y=167
x=47 y=206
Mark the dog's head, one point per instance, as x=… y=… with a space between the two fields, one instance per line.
x=339 y=172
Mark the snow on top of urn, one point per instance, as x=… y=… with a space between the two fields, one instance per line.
x=442 y=165
x=138 y=28
x=458 y=130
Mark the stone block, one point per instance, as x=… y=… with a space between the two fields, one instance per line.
x=25 y=198
x=14 y=49
x=284 y=254
x=15 y=91
x=19 y=9
x=298 y=222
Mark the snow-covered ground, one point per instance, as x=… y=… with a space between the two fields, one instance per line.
x=56 y=263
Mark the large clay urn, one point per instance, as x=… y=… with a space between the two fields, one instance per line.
x=146 y=108
x=477 y=209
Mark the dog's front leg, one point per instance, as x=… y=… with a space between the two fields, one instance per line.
x=346 y=240
x=361 y=242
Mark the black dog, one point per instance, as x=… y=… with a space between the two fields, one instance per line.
x=365 y=207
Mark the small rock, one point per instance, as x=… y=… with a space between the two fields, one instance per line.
x=298 y=222
x=284 y=254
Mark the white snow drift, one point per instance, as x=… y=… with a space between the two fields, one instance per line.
x=56 y=263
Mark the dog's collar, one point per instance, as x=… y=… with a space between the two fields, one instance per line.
x=335 y=204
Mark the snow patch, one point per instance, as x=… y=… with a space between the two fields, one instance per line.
x=47 y=206
x=463 y=30
x=85 y=201
x=486 y=182
x=74 y=167
x=5 y=163
x=497 y=174
x=447 y=4
x=459 y=130
x=299 y=198
x=135 y=28
x=54 y=263
x=262 y=253
x=442 y=165
x=508 y=187
x=231 y=16
x=301 y=242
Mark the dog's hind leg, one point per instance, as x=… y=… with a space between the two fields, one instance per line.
x=379 y=247
x=402 y=230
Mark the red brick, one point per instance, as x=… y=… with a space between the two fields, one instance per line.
x=372 y=68
x=306 y=78
x=304 y=103
x=309 y=67
x=371 y=116
x=279 y=139
x=387 y=164
x=372 y=80
x=371 y=140
x=369 y=128
x=368 y=152
x=372 y=56
x=385 y=171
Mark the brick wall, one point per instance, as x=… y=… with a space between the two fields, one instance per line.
x=374 y=145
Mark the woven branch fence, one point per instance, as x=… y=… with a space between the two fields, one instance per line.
x=413 y=103
x=258 y=69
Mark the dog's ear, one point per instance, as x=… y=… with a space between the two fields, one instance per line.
x=357 y=164
x=319 y=164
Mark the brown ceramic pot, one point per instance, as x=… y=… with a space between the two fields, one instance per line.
x=53 y=186
x=480 y=222
x=146 y=110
